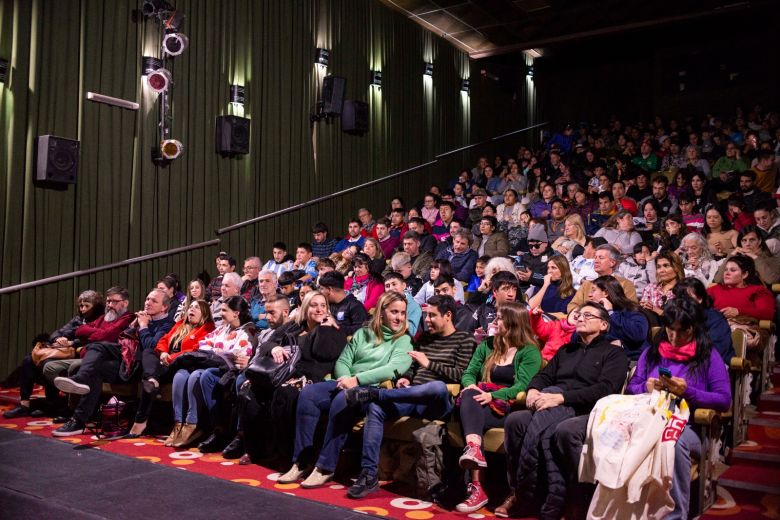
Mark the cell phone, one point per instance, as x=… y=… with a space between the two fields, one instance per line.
x=663 y=371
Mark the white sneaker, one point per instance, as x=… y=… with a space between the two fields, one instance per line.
x=316 y=479
x=294 y=474
x=70 y=386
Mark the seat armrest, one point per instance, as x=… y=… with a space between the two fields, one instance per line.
x=520 y=399
x=706 y=417
x=776 y=288
x=454 y=390
x=386 y=384
x=739 y=364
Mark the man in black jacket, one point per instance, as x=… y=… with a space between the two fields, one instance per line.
x=347 y=311
x=559 y=400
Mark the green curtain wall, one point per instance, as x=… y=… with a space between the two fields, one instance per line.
x=123 y=206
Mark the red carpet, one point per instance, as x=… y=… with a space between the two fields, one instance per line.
x=382 y=503
x=733 y=502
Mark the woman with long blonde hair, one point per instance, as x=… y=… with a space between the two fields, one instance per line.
x=572 y=243
x=502 y=366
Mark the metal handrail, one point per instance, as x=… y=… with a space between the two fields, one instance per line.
x=267 y=216
x=123 y=263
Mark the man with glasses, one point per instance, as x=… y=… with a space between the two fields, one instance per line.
x=251 y=270
x=367 y=223
x=115 y=319
x=559 y=400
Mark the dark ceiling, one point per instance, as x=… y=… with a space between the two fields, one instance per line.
x=491 y=27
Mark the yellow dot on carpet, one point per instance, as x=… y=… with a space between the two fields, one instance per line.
x=419 y=515
x=185 y=462
x=213 y=458
x=73 y=440
x=149 y=458
x=31 y=428
x=9 y=426
x=287 y=486
x=369 y=509
x=247 y=481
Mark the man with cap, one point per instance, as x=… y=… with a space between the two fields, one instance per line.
x=477 y=205
x=533 y=265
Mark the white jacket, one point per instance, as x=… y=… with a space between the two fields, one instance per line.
x=630 y=454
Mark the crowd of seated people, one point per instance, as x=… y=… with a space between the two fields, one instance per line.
x=542 y=273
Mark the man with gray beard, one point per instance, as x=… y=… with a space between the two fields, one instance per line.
x=115 y=319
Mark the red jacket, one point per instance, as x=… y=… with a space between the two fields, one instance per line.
x=188 y=343
x=102 y=330
x=754 y=300
x=554 y=334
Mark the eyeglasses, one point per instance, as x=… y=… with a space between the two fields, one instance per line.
x=586 y=316
x=534 y=244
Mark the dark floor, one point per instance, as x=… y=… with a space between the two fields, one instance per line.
x=45 y=478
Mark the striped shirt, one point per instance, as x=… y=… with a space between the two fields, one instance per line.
x=448 y=355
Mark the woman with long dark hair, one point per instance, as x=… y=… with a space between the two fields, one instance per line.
x=627 y=323
x=715 y=323
x=752 y=244
x=721 y=238
x=502 y=366
x=668 y=271
x=235 y=341
x=698 y=375
x=366 y=285
x=741 y=291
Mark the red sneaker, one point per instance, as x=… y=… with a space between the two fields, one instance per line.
x=472 y=457
x=475 y=500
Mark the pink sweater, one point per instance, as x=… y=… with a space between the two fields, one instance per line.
x=555 y=334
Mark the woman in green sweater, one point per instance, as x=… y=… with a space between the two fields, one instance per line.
x=501 y=367
x=376 y=353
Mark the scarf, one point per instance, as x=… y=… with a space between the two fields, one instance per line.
x=359 y=285
x=682 y=353
x=500 y=407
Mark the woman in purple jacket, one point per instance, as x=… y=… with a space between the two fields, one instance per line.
x=697 y=374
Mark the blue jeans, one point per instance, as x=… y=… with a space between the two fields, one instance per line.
x=313 y=401
x=208 y=382
x=688 y=444
x=429 y=401
x=184 y=384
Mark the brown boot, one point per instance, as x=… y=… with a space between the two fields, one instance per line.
x=188 y=434
x=173 y=437
x=506 y=509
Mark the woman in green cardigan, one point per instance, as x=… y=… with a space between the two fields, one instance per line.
x=376 y=353
x=501 y=367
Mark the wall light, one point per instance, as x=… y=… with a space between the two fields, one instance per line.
x=376 y=78
x=150 y=64
x=237 y=95
x=160 y=80
x=171 y=149
x=428 y=69
x=530 y=71
x=322 y=57
x=3 y=70
x=175 y=43
x=465 y=85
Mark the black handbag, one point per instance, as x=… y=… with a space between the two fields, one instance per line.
x=266 y=374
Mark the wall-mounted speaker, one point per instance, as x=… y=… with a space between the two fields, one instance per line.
x=354 y=118
x=333 y=88
x=232 y=135
x=56 y=160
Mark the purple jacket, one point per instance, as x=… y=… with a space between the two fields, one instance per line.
x=713 y=390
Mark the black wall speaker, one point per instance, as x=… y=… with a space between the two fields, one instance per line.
x=333 y=88
x=354 y=119
x=232 y=135
x=56 y=160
